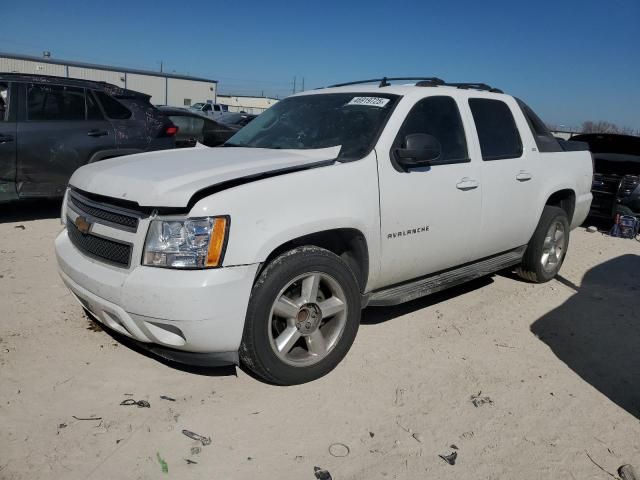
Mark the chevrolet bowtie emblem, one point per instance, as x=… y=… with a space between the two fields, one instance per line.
x=82 y=224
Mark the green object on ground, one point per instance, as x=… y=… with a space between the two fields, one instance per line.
x=163 y=464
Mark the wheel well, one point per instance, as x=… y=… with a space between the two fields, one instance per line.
x=349 y=244
x=566 y=200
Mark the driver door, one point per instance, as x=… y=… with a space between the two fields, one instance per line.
x=430 y=216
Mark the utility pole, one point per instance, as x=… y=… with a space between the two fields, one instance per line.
x=302 y=84
x=160 y=66
x=294 y=84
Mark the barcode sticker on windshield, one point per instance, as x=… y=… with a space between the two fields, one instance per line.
x=370 y=101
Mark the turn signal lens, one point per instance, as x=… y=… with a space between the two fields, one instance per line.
x=217 y=241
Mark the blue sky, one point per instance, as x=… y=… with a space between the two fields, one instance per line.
x=570 y=60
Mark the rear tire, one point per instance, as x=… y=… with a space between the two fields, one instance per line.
x=303 y=316
x=547 y=248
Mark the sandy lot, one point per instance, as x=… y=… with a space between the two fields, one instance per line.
x=559 y=364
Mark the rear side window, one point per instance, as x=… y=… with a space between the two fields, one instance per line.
x=544 y=140
x=112 y=107
x=4 y=102
x=497 y=131
x=52 y=102
x=93 y=110
x=439 y=117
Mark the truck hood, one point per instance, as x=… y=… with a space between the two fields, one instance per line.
x=169 y=178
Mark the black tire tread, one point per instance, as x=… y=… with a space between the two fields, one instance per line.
x=248 y=357
x=529 y=269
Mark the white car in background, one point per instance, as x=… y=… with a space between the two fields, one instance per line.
x=264 y=251
x=212 y=110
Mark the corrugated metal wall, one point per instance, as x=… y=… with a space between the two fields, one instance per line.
x=27 y=66
x=253 y=105
x=154 y=86
x=116 y=78
x=181 y=90
x=163 y=90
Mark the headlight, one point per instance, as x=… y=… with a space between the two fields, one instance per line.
x=188 y=243
x=63 y=208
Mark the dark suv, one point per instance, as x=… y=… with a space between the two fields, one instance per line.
x=50 y=126
x=616 y=173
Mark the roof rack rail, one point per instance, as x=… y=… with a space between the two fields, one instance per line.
x=475 y=86
x=384 y=81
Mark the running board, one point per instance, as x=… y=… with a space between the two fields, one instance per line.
x=434 y=283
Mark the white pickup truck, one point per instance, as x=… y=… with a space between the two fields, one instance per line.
x=264 y=251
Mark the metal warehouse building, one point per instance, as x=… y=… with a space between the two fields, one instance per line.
x=164 y=88
x=246 y=103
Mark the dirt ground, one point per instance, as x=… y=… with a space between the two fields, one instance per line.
x=554 y=369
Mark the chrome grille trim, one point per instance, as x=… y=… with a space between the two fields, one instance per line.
x=116 y=217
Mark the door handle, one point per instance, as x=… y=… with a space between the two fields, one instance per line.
x=6 y=139
x=467 y=184
x=97 y=133
x=523 y=176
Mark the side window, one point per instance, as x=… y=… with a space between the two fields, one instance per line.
x=544 y=140
x=216 y=108
x=206 y=108
x=438 y=116
x=4 y=101
x=93 y=110
x=497 y=131
x=112 y=107
x=52 y=102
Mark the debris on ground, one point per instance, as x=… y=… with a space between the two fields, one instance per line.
x=190 y=462
x=194 y=436
x=164 y=397
x=371 y=434
x=62 y=425
x=406 y=429
x=450 y=459
x=339 y=450
x=195 y=450
x=20 y=227
x=599 y=466
x=86 y=418
x=399 y=401
x=139 y=403
x=454 y=446
x=321 y=474
x=418 y=437
x=478 y=399
x=592 y=229
x=163 y=464
x=627 y=472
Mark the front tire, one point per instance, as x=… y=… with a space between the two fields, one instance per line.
x=302 y=318
x=547 y=248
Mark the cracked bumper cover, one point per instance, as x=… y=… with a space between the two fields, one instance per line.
x=194 y=316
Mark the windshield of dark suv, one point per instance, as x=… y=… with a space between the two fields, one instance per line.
x=350 y=120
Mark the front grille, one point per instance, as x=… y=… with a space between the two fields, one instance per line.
x=108 y=214
x=111 y=251
x=605 y=183
x=628 y=185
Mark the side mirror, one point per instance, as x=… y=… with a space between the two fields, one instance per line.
x=421 y=149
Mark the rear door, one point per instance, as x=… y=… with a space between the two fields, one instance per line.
x=429 y=216
x=62 y=129
x=509 y=176
x=7 y=142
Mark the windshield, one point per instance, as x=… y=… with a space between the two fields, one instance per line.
x=197 y=106
x=320 y=121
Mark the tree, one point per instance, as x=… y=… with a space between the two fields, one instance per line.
x=602 y=126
